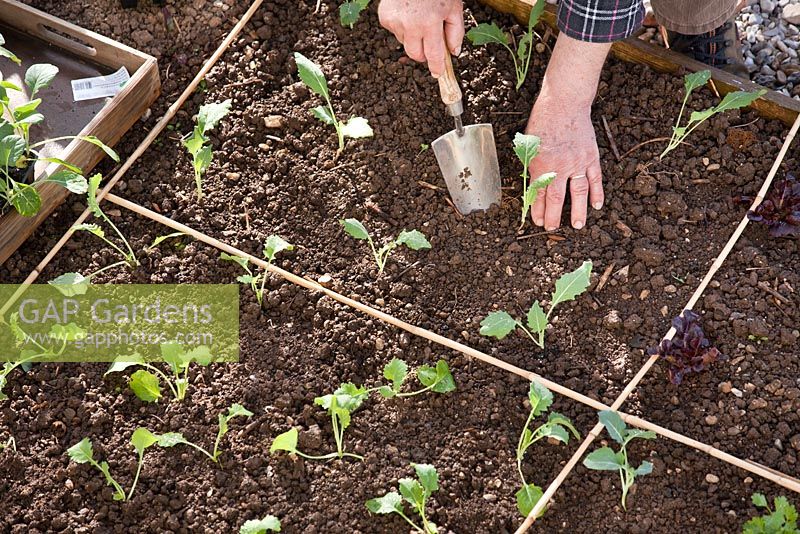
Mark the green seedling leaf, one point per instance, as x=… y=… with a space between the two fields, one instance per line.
x=412 y=491
x=261 y=526
x=285 y=442
x=91 y=195
x=91 y=139
x=25 y=199
x=209 y=115
x=355 y=228
x=40 y=77
x=759 y=500
x=556 y=418
x=350 y=11
x=536 y=13
x=71 y=284
x=235 y=410
x=145 y=385
x=246 y=279
x=540 y=183
x=486 y=33
x=645 y=469
x=527 y=497
x=439 y=379
x=572 y=284
x=540 y=398
x=396 y=371
x=537 y=320
x=498 y=324
x=170 y=439
x=357 y=128
x=614 y=424
x=634 y=433
x=202 y=160
x=602 y=459
x=738 y=99
x=141 y=439
x=523 y=44
x=311 y=75
x=526 y=147
x=26 y=110
x=390 y=503
x=242 y=262
x=428 y=477
x=82 y=452
x=160 y=239
x=696 y=79
x=119 y=366
x=6 y=53
x=274 y=246
x=700 y=116
x=414 y=239
x=324 y=113
x=69 y=332
x=89 y=227
x=11 y=149
x=70 y=180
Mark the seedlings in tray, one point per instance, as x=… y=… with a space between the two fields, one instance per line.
x=261 y=526
x=60 y=335
x=91 y=199
x=557 y=427
x=18 y=154
x=436 y=379
x=340 y=405
x=485 y=33
x=414 y=239
x=83 y=453
x=415 y=492
x=733 y=100
x=780 y=210
x=689 y=350
x=145 y=382
x=526 y=147
x=197 y=142
x=312 y=76
x=782 y=520
x=272 y=247
x=500 y=323
x=605 y=459
x=350 y=10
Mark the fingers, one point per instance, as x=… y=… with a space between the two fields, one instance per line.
x=415 y=48
x=537 y=210
x=579 y=195
x=454 y=29
x=435 y=53
x=595 y=176
x=554 y=202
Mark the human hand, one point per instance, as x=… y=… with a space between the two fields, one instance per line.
x=424 y=27
x=568 y=148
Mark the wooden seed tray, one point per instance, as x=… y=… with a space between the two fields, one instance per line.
x=37 y=37
x=772 y=105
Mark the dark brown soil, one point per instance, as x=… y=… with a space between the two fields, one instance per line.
x=664 y=223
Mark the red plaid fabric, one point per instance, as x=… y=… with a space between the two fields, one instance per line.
x=599 y=21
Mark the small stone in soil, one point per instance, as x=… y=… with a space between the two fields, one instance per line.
x=712 y=478
x=725 y=387
x=711 y=419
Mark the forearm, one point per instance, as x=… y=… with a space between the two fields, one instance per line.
x=573 y=73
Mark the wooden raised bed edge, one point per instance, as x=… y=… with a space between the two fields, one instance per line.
x=109 y=125
x=772 y=105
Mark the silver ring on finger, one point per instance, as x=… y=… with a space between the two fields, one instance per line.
x=576 y=176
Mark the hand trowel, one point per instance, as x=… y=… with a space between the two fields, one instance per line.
x=467 y=156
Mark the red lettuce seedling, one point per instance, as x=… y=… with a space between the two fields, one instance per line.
x=780 y=211
x=689 y=351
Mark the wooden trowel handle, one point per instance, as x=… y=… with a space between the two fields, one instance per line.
x=448 y=84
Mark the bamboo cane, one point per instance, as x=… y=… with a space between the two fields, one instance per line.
x=551 y=489
x=755 y=468
x=143 y=146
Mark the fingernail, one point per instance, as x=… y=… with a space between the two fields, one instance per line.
x=578 y=225
x=597 y=205
x=550 y=228
x=457 y=51
x=538 y=222
x=435 y=76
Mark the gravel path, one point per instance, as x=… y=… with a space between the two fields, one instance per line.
x=770 y=41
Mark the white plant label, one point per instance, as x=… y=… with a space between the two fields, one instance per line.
x=100 y=86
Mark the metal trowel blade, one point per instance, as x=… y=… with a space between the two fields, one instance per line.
x=469 y=165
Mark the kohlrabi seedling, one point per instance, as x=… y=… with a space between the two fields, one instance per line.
x=350 y=10
x=557 y=427
x=91 y=199
x=6 y=53
x=18 y=154
x=340 y=405
x=268 y=523
x=605 y=459
x=733 y=100
x=415 y=492
x=312 y=76
x=781 y=520
x=83 y=453
x=414 y=239
x=526 y=147
x=145 y=382
x=38 y=349
x=484 y=33
x=10 y=443
x=436 y=379
x=500 y=323
x=198 y=144
x=272 y=247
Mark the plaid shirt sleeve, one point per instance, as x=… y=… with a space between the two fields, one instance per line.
x=599 y=21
